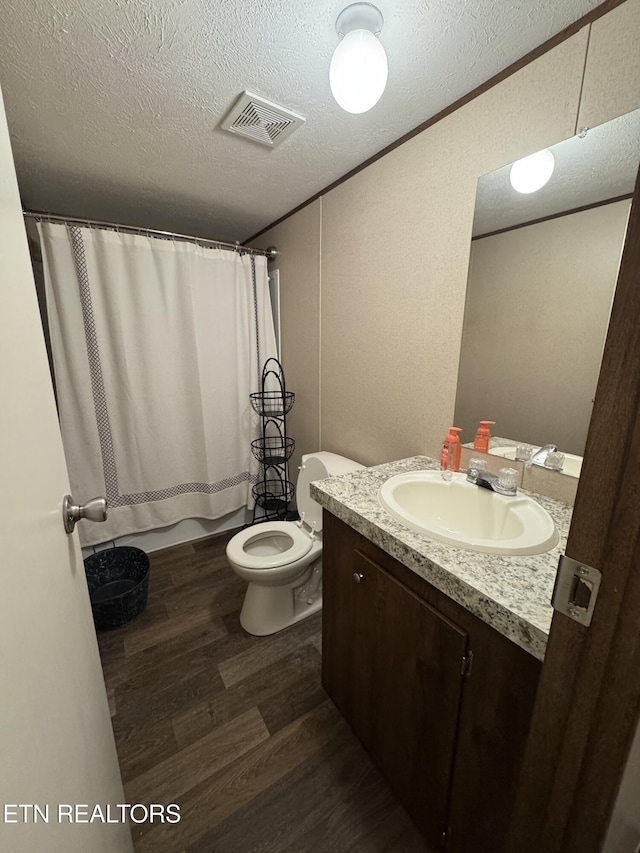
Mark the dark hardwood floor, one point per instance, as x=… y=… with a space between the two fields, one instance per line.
x=237 y=729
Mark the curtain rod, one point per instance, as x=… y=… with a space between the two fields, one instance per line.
x=271 y=253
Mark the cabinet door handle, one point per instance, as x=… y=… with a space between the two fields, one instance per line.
x=358 y=577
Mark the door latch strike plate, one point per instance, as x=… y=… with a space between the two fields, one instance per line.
x=576 y=590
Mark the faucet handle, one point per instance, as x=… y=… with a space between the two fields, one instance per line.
x=524 y=452
x=476 y=466
x=508 y=479
x=554 y=460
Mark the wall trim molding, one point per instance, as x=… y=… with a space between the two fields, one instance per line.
x=573 y=210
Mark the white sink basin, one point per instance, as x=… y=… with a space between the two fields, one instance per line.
x=468 y=516
x=572 y=464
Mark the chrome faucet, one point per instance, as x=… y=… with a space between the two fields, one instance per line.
x=503 y=483
x=540 y=456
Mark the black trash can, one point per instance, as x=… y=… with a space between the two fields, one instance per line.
x=118 y=580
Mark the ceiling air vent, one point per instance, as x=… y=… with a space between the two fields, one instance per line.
x=261 y=120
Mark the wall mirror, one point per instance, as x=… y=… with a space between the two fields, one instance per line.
x=542 y=273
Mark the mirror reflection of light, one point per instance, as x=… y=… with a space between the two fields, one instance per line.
x=532 y=173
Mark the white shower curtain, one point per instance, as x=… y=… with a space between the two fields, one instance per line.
x=156 y=347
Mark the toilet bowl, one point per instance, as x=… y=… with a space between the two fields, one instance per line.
x=282 y=560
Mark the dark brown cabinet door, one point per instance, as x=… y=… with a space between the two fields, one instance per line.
x=393 y=666
x=392 y=655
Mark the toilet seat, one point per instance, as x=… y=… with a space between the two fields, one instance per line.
x=301 y=543
x=281 y=561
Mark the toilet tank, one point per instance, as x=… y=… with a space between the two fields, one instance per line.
x=317 y=466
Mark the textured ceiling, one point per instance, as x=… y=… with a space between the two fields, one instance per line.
x=114 y=106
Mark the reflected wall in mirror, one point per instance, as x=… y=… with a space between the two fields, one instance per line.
x=542 y=274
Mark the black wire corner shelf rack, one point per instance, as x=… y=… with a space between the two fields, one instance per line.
x=273 y=492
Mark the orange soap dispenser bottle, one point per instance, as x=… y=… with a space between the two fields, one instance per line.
x=450 y=454
x=481 y=441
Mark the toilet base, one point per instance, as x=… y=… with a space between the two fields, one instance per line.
x=269 y=609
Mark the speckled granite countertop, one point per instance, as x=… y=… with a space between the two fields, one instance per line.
x=496 y=441
x=512 y=594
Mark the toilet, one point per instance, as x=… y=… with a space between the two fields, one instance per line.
x=282 y=560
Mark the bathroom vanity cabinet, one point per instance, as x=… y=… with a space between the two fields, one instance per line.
x=441 y=701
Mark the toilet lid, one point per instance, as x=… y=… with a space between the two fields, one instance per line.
x=295 y=544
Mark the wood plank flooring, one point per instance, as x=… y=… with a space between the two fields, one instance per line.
x=237 y=729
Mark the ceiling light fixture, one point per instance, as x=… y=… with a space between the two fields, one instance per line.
x=358 y=71
x=532 y=172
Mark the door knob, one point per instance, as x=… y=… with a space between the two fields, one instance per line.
x=93 y=510
x=358 y=577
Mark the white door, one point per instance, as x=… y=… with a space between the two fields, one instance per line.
x=56 y=740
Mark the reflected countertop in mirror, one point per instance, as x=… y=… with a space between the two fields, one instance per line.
x=507 y=448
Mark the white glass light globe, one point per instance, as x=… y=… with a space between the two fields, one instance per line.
x=532 y=172
x=358 y=71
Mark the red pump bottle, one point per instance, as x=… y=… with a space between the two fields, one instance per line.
x=450 y=454
x=483 y=436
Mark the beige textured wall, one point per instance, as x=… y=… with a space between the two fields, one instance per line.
x=550 y=286
x=395 y=248
x=612 y=74
x=298 y=242
x=394 y=253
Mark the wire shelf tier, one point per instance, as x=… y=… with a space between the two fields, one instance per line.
x=273 y=495
x=272 y=403
x=273 y=449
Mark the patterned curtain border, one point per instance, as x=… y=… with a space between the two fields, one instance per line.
x=112 y=491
